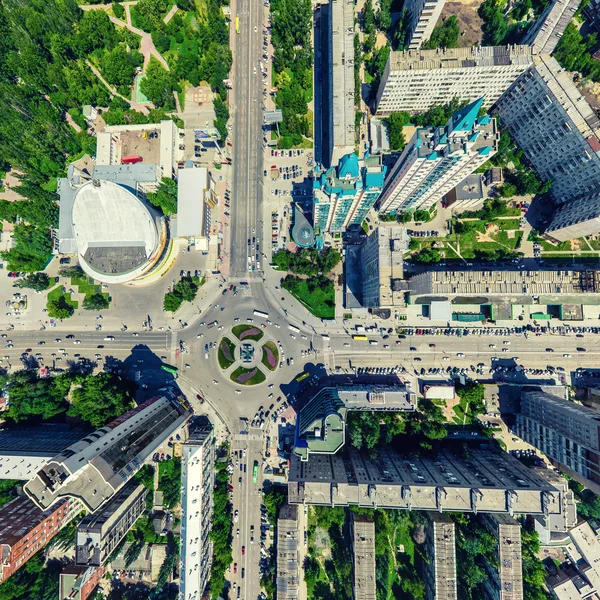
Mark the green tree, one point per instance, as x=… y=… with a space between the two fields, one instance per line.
x=157 y=85
x=172 y=302
x=396 y=122
x=96 y=302
x=384 y=19
x=118 y=10
x=99 y=399
x=186 y=289
x=444 y=35
x=35 y=281
x=32 y=250
x=165 y=197
x=60 y=308
x=427 y=256
x=495 y=24
x=368 y=18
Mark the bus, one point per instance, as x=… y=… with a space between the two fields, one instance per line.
x=293 y=328
x=258 y=313
x=360 y=338
x=255 y=472
x=237 y=24
x=302 y=377
x=169 y=369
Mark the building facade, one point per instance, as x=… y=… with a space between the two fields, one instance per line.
x=79 y=583
x=382 y=267
x=97 y=466
x=440 y=569
x=343 y=195
x=559 y=133
x=197 y=478
x=287 y=578
x=424 y=15
x=568 y=433
x=25 y=529
x=363 y=548
x=341 y=134
x=414 y=81
x=437 y=159
x=505 y=576
x=548 y=28
x=100 y=532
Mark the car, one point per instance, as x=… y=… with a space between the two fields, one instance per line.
x=235 y=567
x=77 y=342
x=238 y=391
x=566 y=356
x=243 y=572
x=243 y=548
x=215 y=382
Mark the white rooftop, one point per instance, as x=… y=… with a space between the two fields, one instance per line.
x=192 y=184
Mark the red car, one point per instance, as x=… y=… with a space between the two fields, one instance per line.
x=243 y=550
x=235 y=567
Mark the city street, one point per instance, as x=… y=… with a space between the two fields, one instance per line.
x=247 y=156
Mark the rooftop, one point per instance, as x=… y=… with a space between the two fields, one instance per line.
x=459 y=58
x=192 y=184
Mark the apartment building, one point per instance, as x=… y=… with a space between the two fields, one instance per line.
x=423 y=14
x=415 y=80
x=505 y=575
x=440 y=569
x=97 y=466
x=437 y=159
x=559 y=133
x=321 y=422
x=544 y=35
x=485 y=481
x=362 y=534
x=79 y=583
x=567 y=433
x=382 y=267
x=197 y=479
x=343 y=195
x=341 y=135
x=287 y=553
x=25 y=530
x=99 y=533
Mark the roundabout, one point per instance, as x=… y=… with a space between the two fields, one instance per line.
x=246 y=357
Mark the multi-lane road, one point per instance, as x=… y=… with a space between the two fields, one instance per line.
x=247 y=154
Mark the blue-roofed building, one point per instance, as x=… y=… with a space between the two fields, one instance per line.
x=344 y=194
x=437 y=159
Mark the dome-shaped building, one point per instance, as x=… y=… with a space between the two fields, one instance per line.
x=118 y=237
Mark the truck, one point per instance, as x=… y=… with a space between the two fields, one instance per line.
x=131 y=160
x=212 y=324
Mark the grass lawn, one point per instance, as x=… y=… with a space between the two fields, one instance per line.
x=224 y=362
x=560 y=247
x=238 y=330
x=315 y=302
x=258 y=377
x=51 y=185
x=273 y=348
x=86 y=285
x=460 y=409
x=59 y=291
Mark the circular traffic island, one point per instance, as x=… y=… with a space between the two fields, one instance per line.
x=247 y=376
x=226 y=353
x=247 y=332
x=270 y=355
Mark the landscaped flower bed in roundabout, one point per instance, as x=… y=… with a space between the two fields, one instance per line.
x=270 y=355
x=226 y=353
x=247 y=332
x=244 y=376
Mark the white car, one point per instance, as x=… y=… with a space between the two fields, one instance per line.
x=236 y=320
x=460 y=355
x=277 y=325
x=215 y=382
x=270 y=386
x=220 y=327
x=346 y=345
x=238 y=391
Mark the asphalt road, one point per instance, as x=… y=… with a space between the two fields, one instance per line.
x=247 y=500
x=247 y=154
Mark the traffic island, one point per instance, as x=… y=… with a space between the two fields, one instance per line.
x=226 y=353
x=247 y=332
x=243 y=376
x=270 y=355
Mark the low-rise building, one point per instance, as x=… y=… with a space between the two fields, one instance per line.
x=99 y=533
x=79 y=583
x=197 y=480
x=97 y=466
x=363 y=548
x=505 y=575
x=415 y=80
x=25 y=530
x=287 y=578
x=440 y=568
x=193 y=204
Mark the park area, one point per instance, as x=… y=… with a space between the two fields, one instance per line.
x=316 y=294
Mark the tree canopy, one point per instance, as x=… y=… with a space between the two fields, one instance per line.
x=396 y=122
x=165 y=197
x=35 y=281
x=444 y=35
x=307 y=261
x=96 y=301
